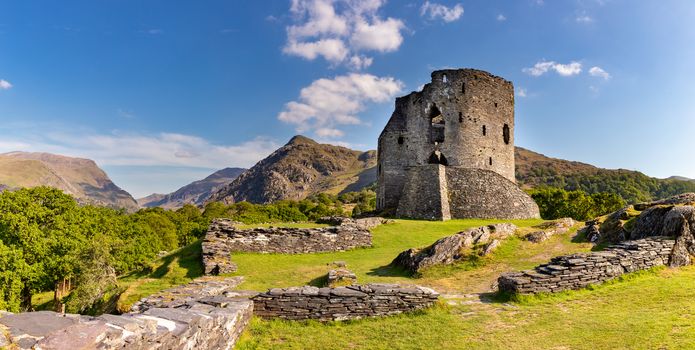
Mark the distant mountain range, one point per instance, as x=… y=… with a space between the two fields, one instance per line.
x=194 y=193
x=301 y=168
x=304 y=167
x=79 y=177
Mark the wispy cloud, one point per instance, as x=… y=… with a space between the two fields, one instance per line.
x=5 y=85
x=565 y=70
x=584 y=19
x=341 y=31
x=599 y=72
x=435 y=11
x=501 y=17
x=136 y=149
x=327 y=104
x=521 y=92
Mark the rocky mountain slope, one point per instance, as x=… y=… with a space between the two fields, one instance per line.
x=195 y=193
x=79 y=177
x=300 y=168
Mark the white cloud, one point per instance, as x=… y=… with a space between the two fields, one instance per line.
x=340 y=31
x=5 y=85
x=501 y=17
x=134 y=149
x=521 y=92
x=438 y=11
x=565 y=70
x=599 y=72
x=326 y=104
x=584 y=19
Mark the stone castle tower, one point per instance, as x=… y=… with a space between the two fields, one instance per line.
x=448 y=151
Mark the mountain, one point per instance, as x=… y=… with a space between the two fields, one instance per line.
x=195 y=193
x=680 y=178
x=79 y=177
x=534 y=170
x=301 y=168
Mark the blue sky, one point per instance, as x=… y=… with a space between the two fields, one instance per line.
x=161 y=93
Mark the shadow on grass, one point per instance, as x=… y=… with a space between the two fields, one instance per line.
x=391 y=271
x=320 y=281
x=189 y=258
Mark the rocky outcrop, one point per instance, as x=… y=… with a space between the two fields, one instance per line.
x=342 y=303
x=549 y=229
x=301 y=168
x=223 y=238
x=580 y=270
x=452 y=248
x=195 y=316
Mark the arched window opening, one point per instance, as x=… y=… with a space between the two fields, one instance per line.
x=437 y=158
x=444 y=80
x=484 y=130
x=506 y=134
x=435 y=115
x=400 y=140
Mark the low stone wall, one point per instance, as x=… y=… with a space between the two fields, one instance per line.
x=342 y=303
x=580 y=270
x=365 y=223
x=194 y=316
x=224 y=238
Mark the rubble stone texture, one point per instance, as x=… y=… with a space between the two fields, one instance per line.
x=342 y=303
x=223 y=238
x=580 y=270
x=341 y=277
x=449 y=249
x=448 y=151
x=195 y=316
x=549 y=229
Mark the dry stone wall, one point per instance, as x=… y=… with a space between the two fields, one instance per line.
x=580 y=270
x=194 y=316
x=342 y=303
x=223 y=238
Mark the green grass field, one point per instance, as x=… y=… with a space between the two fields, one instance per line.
x=647 y=310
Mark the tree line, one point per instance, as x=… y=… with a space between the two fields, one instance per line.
x=50 y=243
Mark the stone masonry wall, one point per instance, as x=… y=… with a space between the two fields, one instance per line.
x=223 y=238
x=194 y=316
x=425 y=194
x=342 y=303
x=580 y=270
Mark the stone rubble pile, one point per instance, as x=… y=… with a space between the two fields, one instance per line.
x=449 y=249
x=223 y=238
x=365 y=223
x=341 y=277
x=342 y=303
x=549 y=229
x=207 y=290
x=580 y=270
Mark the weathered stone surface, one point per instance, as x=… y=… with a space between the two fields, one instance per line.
x=449 y=249
x=367 y=223
x=223 y=238
x=448 y=151
x=195 y=326
x=343 y=303
x=202 y=289
x=550 y=228
x=341 y=277
x=579 y=270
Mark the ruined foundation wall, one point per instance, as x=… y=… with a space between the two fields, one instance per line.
x=475 y=193
x=580 y=270
x=342 y=303
x=223 y=238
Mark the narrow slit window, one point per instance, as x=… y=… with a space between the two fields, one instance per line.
x=460 y=117
x=484 y=130
x=400 y=140
x=490 y=161
x=463 y=88
x=444 y=80
x=506 y=135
